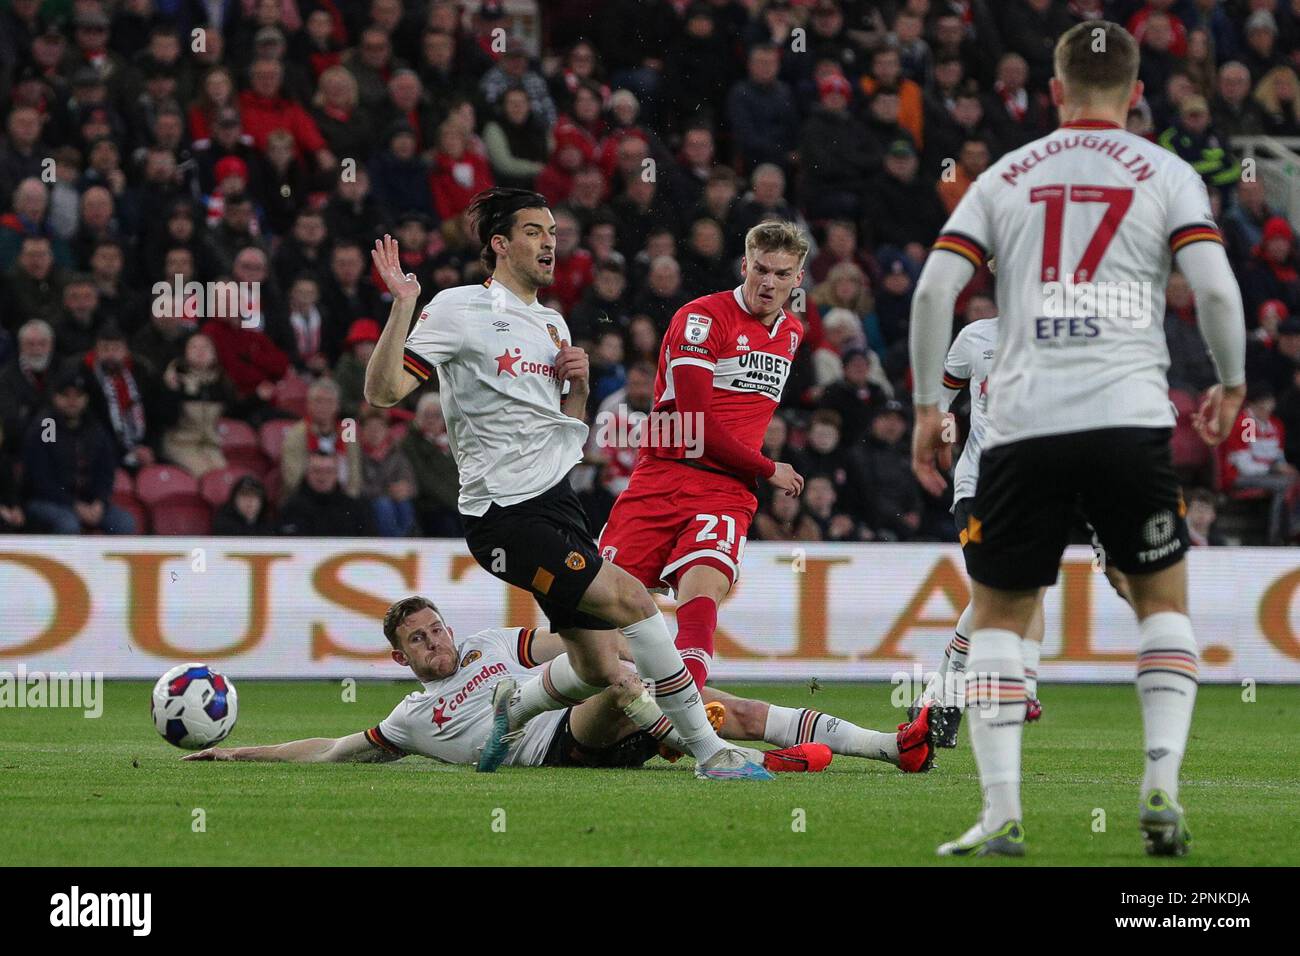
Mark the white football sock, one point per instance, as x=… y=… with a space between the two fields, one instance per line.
x=948 y=685
x=647 y=715
x=1166 y=685
x=556 y=687
x=995 y=700
x=660 y=666
x=788 y=726
x=1029 y=654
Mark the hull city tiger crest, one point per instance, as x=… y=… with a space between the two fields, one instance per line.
x=470 y=658
x=555 y=335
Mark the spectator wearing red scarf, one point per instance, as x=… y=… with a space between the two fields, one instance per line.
x=322 y=432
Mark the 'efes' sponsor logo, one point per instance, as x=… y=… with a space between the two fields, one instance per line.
x=445 y=706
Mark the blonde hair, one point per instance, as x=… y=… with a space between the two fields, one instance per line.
x=824 y=292
x=776 y=236
x=1267 y=97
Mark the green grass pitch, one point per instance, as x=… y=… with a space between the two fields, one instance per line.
x=109 y=791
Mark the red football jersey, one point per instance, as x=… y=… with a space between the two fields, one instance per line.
x=750 y=364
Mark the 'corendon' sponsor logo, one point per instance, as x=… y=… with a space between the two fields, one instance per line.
x=442 y=710
x=510 y=363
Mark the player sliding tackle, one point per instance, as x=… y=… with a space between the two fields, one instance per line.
x=514 y=392
x=622 y=726
x=1078 y=408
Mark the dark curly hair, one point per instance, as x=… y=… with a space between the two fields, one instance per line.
x=492 y=213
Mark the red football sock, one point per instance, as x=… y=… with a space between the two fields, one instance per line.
x=696 y=620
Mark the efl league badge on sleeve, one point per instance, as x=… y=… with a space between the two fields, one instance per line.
x=555 y=335
x=697 y=327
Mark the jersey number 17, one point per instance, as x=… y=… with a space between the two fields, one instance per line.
x=1054 y=198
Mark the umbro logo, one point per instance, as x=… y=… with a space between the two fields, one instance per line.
x=501 y=325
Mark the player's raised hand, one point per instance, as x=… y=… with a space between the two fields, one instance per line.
x=1218 y=412
x=571 y=364
x=928 y=444
x=403 y=285
x=787 y=479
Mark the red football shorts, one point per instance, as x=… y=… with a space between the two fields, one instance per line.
x=672 y=517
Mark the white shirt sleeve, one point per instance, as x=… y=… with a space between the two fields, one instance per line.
x=393 y=732
x=439 y=333
x=956 y=370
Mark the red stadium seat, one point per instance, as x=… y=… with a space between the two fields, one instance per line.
x=216 y=485
x=123 y=484
x=155 y=483
x=187 y=514
x=291 y=395
x=250 y=459
x=236 y=435
x=131 y=504
x=272 y=437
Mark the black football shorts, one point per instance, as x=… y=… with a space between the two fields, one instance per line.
x=1030 y=493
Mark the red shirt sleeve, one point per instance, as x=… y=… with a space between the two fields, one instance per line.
x=694 y=386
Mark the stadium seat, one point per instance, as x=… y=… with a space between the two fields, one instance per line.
x=250 y=459
x=132 y=506
x=216 y=485
x=398 y=431
x=291 y=395
x=186 y=514
x=156 y=483
x=123 y=484
x=272 y=437
x=236 y=435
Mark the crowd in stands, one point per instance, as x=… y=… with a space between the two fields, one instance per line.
x=265 y=144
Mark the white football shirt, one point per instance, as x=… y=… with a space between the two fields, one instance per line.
x=969 y=361
x=449 y=720
x=495 y=358
x=1084 y=222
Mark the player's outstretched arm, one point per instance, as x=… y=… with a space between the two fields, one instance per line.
x=944 y=276
x=354 y=748
x=387 y=381
x=1219 y=314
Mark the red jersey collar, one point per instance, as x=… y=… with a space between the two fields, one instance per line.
x=1091 y=124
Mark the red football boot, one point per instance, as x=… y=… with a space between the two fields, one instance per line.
x=916 y=740
x=804 y=758
x=1033 y=710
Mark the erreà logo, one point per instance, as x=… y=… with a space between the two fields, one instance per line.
x=74 y=909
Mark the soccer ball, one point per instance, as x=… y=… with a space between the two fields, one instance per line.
x=193 y=706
